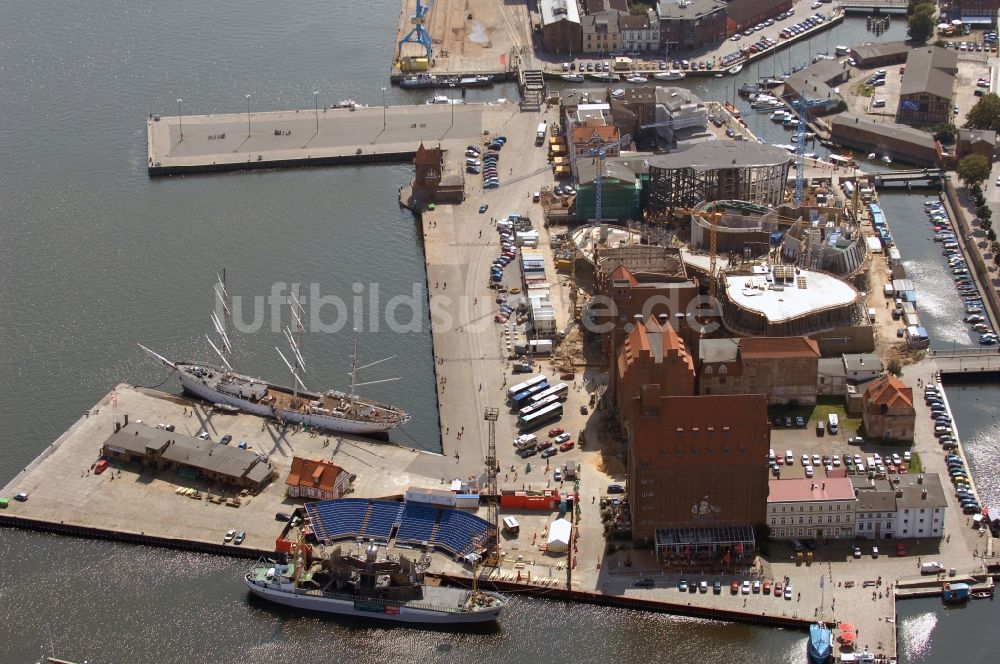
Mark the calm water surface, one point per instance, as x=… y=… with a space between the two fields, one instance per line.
x=95 y=256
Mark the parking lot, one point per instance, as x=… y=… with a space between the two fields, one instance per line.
x=825 y=452
x=880 y=100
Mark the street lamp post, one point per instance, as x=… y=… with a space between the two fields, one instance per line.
x=316 y=104
x=180 y=118
x=248 y=116
x=384 y=121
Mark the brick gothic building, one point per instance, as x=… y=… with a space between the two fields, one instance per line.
x=696 y=465
x=783 y=368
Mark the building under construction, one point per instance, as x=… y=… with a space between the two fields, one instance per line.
x=811 y=237
x=784 y=300
x=717 y=170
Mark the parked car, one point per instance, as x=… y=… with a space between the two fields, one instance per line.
x=240 y=536
x=557 y=431
x=230 y=534
x=100 y=466
x=616 y=488
x=644 y=583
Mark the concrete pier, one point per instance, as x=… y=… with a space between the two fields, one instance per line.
x=312 y=137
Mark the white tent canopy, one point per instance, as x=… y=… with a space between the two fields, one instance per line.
x=559 y=535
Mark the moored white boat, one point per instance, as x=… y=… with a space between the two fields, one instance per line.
x=670 y=75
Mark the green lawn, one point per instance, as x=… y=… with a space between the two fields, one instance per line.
x=916 y=466
x=824 y=406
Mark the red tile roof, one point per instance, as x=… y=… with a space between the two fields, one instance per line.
x=778 y=347
x=585 y=133
x=889 y=393
x=807 y=490
x=320 y=475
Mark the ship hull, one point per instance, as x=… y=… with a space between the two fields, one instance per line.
x=407 y=614
x=819 y=648
x=197 y=388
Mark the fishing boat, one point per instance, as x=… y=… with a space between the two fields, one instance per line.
x=604 y=77
x=770 y=83
x=886 y=159
x=363 y=586
x=636 y=78
x=332 y=410
x=733 y=71
x=819 y=647
x=670 y=75
x=572 y=78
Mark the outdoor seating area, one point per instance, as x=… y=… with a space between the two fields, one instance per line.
x=453 y=530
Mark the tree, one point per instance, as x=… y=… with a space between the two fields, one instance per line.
x=945 y=132
x=895 y=367
x=984 y=212
x=974 y=168
x=921 y=22
x=912 y=5
x=986 y=113
x=991 y=235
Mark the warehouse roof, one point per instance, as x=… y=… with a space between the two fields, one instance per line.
x=181 y=449
x=721 y=154
x=931 y=70
x=879 y=50
x=554 y=11
x=692 y=9
x=902 y=132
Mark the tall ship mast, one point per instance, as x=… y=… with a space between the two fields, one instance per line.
x=332 y=410
x=363 y=585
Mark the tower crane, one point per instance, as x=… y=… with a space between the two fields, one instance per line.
x=600 y=152
x=492 y=493
x=418 y=34
x=800 y=106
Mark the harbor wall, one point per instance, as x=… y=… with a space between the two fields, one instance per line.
x=91 y=532
x=266 y=164
x=625 y=602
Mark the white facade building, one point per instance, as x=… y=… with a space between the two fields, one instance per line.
x=811 y=508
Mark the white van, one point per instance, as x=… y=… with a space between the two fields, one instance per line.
x=525 y=441
x=878 y=103
x=931 y=568
x=832 y=422
x=789 y=458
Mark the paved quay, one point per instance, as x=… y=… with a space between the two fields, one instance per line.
x=63 y=489
x=306 y=137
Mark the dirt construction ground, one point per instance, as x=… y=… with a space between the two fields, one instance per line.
x=469 y=37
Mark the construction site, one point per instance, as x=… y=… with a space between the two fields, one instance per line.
x=456 y=37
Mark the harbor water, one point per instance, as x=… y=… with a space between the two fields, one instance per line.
x=95 y=256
